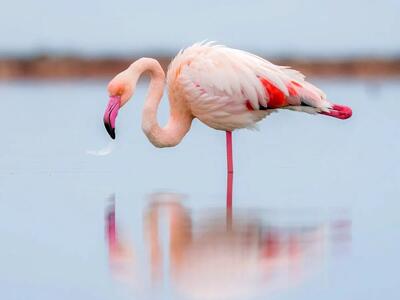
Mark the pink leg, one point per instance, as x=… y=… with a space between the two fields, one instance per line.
x=230 y=169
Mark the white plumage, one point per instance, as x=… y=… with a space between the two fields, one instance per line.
x=218 y=81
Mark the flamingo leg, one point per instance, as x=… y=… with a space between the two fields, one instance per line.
x=229 y=169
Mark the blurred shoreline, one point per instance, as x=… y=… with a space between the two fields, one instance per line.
x=70 y=67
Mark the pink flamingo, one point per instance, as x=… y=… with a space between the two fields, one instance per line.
x=225 y=88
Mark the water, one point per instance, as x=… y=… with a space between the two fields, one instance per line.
x=315 y=212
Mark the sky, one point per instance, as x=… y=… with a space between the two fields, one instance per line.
x=278 y=28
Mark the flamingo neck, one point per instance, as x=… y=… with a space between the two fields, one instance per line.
x=179 y=120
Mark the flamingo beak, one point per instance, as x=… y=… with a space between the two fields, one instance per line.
x=338 y=111
x=111 y=114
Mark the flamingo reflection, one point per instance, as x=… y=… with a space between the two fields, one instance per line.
x=120 y=250
x=223 y=254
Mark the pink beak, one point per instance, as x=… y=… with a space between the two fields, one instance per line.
x=339 y=111
x=111 y=114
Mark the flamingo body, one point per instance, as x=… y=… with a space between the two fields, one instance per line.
x=229 y=89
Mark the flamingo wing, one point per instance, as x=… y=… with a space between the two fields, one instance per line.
x=218 y=81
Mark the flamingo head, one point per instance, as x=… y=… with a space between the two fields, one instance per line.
x=120 y=90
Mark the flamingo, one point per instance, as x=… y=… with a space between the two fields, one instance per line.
x=224 y=88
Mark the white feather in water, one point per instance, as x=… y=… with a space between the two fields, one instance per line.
x=103 y=151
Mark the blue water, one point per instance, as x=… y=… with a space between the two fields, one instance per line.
x=328 y=188
x=271 y=28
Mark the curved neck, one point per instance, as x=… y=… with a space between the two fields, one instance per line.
x=180 y=118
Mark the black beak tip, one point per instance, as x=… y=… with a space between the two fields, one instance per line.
x=110 y=130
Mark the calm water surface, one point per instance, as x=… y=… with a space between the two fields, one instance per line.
x=315 y=213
